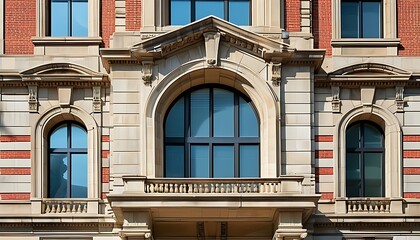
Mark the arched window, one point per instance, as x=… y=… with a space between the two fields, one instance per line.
x=67 y=164
x=364 y=160
x=212 y=132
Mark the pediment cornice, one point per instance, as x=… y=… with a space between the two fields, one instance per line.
x=366 y=74
x=54 y=74
x=170 y=43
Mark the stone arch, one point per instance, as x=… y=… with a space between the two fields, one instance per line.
x=393 y=147
x=230 y=74
x=39 y=138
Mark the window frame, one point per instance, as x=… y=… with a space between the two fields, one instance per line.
x=225 y=8
x=69 y=152
x=70 y=18
x=360 y=17
x=361 y=152
x=187 y=141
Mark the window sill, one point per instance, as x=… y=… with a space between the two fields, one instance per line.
x=66 y=45
x=365 y=46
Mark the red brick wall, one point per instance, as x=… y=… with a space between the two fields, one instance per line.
x=292 y=15
x=107 y=20
x=409 y=27
x=322 y=24
x=19 y=26
x=133 y=15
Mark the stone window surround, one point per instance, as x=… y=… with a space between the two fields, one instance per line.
x=39 y=141
x=266 y=16
x=389 y=25
x=175 y=83
x=42 y=24
x=393 y=160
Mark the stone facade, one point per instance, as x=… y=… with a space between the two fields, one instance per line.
x=307 y=86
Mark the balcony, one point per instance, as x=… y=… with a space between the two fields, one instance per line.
x=356 y=206
x=210 y=206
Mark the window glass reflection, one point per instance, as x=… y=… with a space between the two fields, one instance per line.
x=79 y=18
x=200 y=161
x=59 y=137
x=239 y=12
x=223 y=113
x=58 y=176
x=200 y=113
x=223 y=162
x=60 y=25
x=179 y=15
x=174 y=164
x=249 y=161
x=79 y=175
x=175 y=120
x=204 y=8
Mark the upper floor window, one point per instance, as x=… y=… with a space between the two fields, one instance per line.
x=364 y=160
x=67 y=165
x=185 y=11
x=68 y=18
x=361 y=18
x=212 y=132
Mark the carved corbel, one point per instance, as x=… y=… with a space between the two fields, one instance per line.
x=276 y=74
x=211 y=41
x=336 y=102
x=33 y=98
x=97 y=103
x=147 y=72
x=399 y=98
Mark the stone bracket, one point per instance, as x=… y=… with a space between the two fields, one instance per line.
x=399 y=98
x=97 y=102
x=276 y=74
x=336 y=102
x=147 y=72
x=33 y=99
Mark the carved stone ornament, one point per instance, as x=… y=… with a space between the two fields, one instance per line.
x=147 y=72
x=211 y=41
x=97 y=103
x=33 y=98
x=276 y=74
x=399 y=98
x=336 y=102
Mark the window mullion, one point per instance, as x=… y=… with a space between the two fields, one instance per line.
x=236 y=120
x=361 y=19
x=193 y=15
x=226 y=10
x=187 y=132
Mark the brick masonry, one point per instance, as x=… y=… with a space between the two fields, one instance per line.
x=133 y=15
x=292 y=15
x=408 y=25
x=20 y=13
x=107 y=20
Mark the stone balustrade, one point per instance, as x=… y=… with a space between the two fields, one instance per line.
x=368 y=206
x=65 y=206
x=224 y=186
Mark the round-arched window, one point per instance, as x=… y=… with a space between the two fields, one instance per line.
x=211 y=133
x=67 y=164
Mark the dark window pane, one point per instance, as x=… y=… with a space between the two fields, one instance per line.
x=58 y=176
x=372 y=137
x=248 y=123
x=200 y=161
x=79 y=18
x=353 y=175
x=353 y=137
x=78 y=137
x=200 y=107
x=58 y=138
x=371 y=15
x=223 y=113
x=373 y=174
x=180 y=12
x=60 y=25
x=239 y=12
x=223 y=162
x=79 y=175
x=175 y=121
x=350 y=19
x=204 y=8
x=174 y=164
x=249 y=160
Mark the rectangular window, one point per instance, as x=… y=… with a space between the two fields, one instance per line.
x=361 y=18
x=69 y=18
x=234 y=11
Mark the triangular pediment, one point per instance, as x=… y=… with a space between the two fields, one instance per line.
x=174 y=41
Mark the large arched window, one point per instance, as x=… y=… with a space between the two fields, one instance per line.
x=364 y=160
x=212 y=132
x=67 y=165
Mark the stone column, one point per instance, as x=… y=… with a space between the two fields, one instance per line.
x=290 y=226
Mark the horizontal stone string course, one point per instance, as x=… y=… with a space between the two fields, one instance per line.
x=223 y=186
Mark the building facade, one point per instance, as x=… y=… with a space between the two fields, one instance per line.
x=209 y=119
